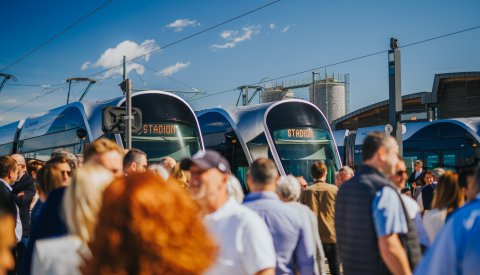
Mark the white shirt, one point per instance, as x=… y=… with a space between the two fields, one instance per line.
x=58 y=256
x=245 y=244
x=418 y=173
x=433 y=220
x=413 y=211
x=18 y=225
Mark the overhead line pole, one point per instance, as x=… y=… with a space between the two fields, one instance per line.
x=395 y=92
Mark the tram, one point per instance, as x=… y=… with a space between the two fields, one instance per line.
x=449 y=143
x=294 y=133
x=169 y=128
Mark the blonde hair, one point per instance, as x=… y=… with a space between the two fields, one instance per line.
x=83 y=199
x=182 y=176
x=101 y=146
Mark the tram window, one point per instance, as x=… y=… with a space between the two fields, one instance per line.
x=42 y=155
x=70 y=118
x=410 y=159
x=299 y=148
x=6 y=149
x=160 y=140
x=432 y=160
x=258 y=147
x=449 y=130
x=450 y=160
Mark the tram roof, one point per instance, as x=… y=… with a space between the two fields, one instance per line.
x=471 y=124
x=91 y=111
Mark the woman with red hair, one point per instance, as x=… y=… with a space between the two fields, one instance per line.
x=149 y=226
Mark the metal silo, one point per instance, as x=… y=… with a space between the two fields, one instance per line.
x=330 y=96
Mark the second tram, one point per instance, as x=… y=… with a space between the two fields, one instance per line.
x=294 y=133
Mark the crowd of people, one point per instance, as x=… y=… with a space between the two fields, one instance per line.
x=109 y=212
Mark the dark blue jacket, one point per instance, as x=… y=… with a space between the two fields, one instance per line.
x=49 y=224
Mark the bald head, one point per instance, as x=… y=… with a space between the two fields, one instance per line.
x=22 y=166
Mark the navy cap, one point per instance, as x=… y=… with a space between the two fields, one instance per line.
x=206 y=160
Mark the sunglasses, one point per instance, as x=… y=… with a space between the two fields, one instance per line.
x=401 y=172
x=69 y=173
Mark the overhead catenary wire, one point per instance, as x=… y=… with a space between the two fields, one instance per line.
x=32 y=51
x=157 y=49
x=189 y=36
x=344 y=61
x=297 y=73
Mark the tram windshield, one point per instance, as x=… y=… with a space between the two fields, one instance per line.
x=167 y=139
x=299 y=147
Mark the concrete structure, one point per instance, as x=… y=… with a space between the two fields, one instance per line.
x=454 y=95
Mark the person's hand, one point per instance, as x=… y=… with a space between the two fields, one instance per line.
x=20 y=194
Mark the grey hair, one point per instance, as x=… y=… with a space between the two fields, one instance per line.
x=160 y=170
x=437 y=172
x=288 y=188
x=347 y=169
x=234 y=189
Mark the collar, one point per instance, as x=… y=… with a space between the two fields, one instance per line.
x=264 y=195
x=217 y=215
x=6 y=184
x=367 y=169
x=320 y=181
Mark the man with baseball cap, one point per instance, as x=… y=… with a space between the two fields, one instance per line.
x=245 y=243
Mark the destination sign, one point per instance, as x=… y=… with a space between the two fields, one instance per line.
x=159 y=129
x=300 y=133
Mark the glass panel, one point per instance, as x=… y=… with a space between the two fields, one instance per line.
x=298 y=148
x=43 y=155
x=55 y=140
x=160 y=140
x=410 y=158
x=450 y=160
x=6 y=149
x=432 y=160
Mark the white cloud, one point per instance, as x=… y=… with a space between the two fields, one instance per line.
x=173 y=69
x=286 y=29
x=234 y=37
x=227 y=34
x=9 y=101
x=114 y=56
x=180 y=24
x=272 y=26
x=85 y=65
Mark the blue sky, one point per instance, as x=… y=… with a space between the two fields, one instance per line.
x=287 y=37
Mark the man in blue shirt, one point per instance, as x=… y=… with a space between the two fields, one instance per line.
x=293 y=242
x=456 y=248
x=374 y=235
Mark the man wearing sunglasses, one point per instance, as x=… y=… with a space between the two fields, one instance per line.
x=418 y=174
x=413 y=210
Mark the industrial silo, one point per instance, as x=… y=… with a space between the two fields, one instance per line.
x=275 y=94
x=330 y=96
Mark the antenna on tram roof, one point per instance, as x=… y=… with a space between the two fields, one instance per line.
x=79 y=79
